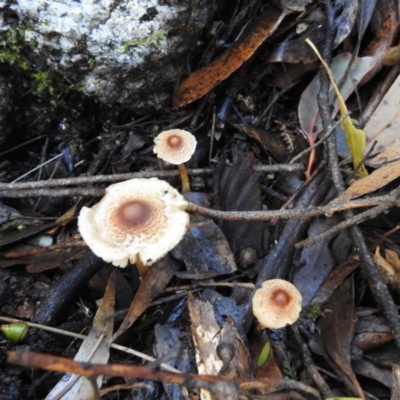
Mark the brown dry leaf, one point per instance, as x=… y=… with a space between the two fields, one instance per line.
x=391 y=153
x=393 y=258
x=385 y=20
x=337 y=330
x=371 y=183
x=384 y=125
x=203 y=80
x=67 y=216
x=384 y=264
x=396 y=377
x=373 y=371
x=335 y=278
x=42 y=262
x=392 y=56
x=389 y=265
x=160 y=273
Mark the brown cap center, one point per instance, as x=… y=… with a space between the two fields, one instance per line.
x=280 y=298
x=134 y=212
x=174 y=141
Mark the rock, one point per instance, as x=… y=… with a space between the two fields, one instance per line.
x=127 y=52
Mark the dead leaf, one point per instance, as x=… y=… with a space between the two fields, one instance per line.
x=95 y=348
x=270 y=142
x=15 y=236
x=295 y=50
x=238 y=189
x=204 y=248
x=205 y=334
x=372 y=371
x=42 y=262
x=203 y=80
x=316 y=263
x=396 y=377
x=384 y=124
x=371 y=332
x=309 y=117
x=345 y=21
x=390 y=268
x=385 y=20
x=160 y=273
x=337 y=330
x=355 y=138
x=392 y=56
x=8 y=213
x=391 y=153
x=379 y=178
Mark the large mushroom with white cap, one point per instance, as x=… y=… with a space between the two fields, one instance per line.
x=176 y=146
x=276 y=304
x=138 y=220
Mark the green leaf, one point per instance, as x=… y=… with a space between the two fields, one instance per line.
x=263 y=357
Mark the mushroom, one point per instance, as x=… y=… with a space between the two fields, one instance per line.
x=176 y=146
x=277 y=304
x=138 y=220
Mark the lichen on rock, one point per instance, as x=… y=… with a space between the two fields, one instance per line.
x=124 y=52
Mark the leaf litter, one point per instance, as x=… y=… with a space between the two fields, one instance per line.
x=193 y=309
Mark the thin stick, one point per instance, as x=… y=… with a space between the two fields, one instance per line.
x=131 y=175
x=83 y=337
x=357 y=219
x=36 y=168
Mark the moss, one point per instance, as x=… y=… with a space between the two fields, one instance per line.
x=16 y=224
x=314 y=311
x=16 y=52
x=43 y=81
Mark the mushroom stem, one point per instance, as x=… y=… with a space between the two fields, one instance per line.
x=184 y=178
x=141 y=268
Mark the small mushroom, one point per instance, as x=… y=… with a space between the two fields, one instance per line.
x=176 y=146
x=277 y=304
x=138 y=220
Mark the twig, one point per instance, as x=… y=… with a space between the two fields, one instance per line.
x=321 y=140
x=71 y=192
x=230 y=388
x=309 y=364
x=83 y=337
x=131 y=175
x=298 y=213
x=36 y=168
x=357 y=219
x=41 y=250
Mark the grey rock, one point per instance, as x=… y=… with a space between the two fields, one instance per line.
x=118 y=51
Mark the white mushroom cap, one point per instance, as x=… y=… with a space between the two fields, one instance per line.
x=139 y=217
x=277 y=304
x=175 y=146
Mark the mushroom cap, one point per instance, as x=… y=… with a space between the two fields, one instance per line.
x=175 y=146
x=138 y=217
x=277 y=304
